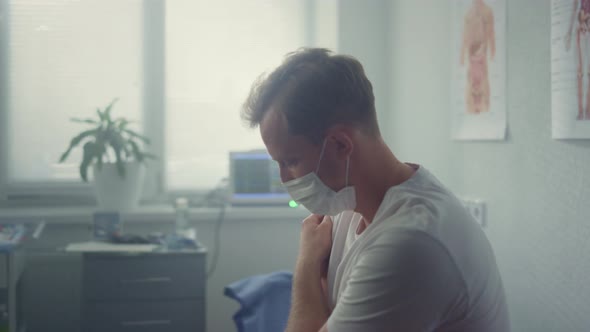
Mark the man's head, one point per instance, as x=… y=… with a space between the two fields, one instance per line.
x=312 y=97
x=315 y=90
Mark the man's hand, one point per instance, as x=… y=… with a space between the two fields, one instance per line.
x=309 y=304
x=316 y=239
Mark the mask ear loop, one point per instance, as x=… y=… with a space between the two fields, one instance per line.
x=321 y=156
x=347 y=168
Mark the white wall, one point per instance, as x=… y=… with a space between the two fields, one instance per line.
x=537 y=189
x=418 y=129
x=363 y=33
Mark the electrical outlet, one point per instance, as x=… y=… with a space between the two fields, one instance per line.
x=477 y=208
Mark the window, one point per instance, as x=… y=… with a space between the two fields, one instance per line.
x=65 y=59
x=180 y=68
x=214 y=52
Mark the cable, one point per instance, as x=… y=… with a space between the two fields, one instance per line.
x=217 y=240
x=216 y=197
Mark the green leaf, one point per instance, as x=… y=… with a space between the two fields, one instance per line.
x=89 y=121
x=100 y=114
x=136 y=135
x=101 y=139
x=136 y=151
x=100 y=148
x=120 y=165
x=75 y=141
x=107 y=111
x=118 y=142
x=89 y=154
x=150 y=156
x=121 y=123
x=99 y=162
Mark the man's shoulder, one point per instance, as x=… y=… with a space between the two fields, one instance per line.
x=420 y=206
x=403 y=237
x=427 y=213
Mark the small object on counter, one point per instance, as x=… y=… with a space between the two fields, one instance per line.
x=182 y=222
x=130 y=239
x=106 y=225
x=177 y=242
x=11 y=235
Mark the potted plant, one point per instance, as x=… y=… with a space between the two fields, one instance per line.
x=115 y=153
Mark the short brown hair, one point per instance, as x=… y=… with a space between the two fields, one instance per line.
x=315 y=90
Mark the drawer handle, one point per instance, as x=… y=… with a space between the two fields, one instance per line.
x=146 y=280
x=146 y=322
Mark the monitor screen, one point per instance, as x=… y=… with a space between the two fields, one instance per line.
x=255 y=179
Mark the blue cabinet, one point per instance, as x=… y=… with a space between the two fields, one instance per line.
x=149 y=292
x=11 y=269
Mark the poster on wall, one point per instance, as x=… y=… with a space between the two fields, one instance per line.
x=478 y=70
x=570 y=69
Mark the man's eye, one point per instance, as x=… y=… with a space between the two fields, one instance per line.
x=282 y=164
x=291 y=162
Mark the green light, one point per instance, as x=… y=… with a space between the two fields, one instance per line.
x=293 y=204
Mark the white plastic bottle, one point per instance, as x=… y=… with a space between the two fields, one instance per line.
x=182 y=223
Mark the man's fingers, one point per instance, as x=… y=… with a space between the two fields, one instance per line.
x=314 y=219
x=326 y=222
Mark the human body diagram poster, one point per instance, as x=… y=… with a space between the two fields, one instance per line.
x=570 y=68
x=478 y=70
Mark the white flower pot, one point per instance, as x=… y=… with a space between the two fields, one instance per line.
x=116 y=193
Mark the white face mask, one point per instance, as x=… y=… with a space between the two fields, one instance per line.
x=318 y=198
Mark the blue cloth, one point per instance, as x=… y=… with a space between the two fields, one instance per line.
x=265 y=301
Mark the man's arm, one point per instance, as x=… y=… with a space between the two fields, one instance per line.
x=405 y=282
x=309 y=306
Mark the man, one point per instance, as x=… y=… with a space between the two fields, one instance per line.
x=404 y=255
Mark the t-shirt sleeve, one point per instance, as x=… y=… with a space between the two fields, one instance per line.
x=404 y=281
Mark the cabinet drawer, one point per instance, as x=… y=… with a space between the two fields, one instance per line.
x=143 y=277
x=177 y=316
x=3 y=270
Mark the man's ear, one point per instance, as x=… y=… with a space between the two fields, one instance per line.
x=342 y=136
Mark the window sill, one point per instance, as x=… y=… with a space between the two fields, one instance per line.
x=152 y=214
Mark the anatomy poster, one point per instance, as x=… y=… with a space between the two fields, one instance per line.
x=570 y=68
x=478 y=70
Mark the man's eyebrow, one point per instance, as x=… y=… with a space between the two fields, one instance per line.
x=284 y=157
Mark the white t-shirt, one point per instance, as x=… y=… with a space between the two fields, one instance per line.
x=423 y=264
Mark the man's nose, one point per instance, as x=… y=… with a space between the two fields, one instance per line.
x=285 y=175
